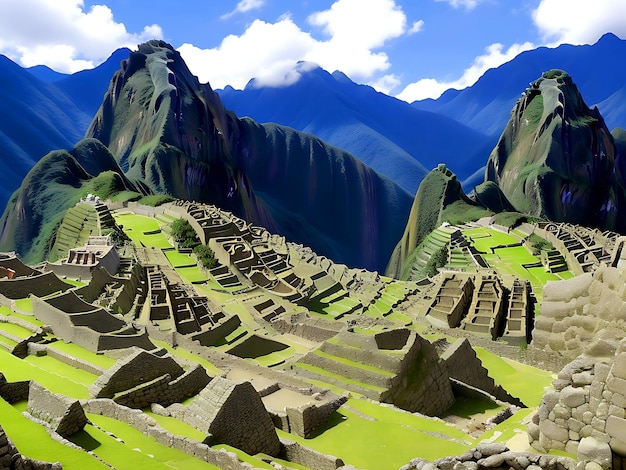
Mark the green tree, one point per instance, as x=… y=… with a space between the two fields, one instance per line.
x=206 y=256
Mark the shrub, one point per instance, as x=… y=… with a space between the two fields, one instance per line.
x=206 y=257
x=184 y=234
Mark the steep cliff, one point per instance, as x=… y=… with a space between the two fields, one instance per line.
x=557 y=159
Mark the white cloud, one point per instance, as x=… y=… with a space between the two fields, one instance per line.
x=244 y=6
x=468 y=4
x=494 y=57
x=579 y=21
x=417 y=27
x=386 y=83
x=62 y=35
x=269 y=52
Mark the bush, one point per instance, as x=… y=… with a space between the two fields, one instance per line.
x=184 y=234
x=206 y=257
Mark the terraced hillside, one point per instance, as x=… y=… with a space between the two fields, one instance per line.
x=158 y=351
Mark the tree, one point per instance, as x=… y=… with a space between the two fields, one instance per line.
x=184 y=234
x=206 y=257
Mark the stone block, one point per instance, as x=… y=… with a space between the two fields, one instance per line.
x=619 y=399
x=616 y=385
x=590 y=449
x=554 y=432
x=572 y=397
x=616 y=427
x=65 y=415
x=582 y=378
x=619 y=366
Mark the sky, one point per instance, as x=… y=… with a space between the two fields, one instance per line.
x=410 y=49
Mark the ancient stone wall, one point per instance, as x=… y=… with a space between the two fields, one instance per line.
x=297 y=453
x=585 y=414
x=10 y=457
x=39 y=285
x=585 y=314
x=233 y=413
x=464 y=366
x=12 y=392
x=64 y=415
x=132 y=371
x=149 y=427
x=305 y=419
x=164 y=391
x=495 y=456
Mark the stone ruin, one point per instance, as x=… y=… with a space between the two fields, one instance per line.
x=63 y=415
x=481 y=305
x=586 y=314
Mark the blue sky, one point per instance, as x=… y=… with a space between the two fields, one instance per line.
x=411 y=49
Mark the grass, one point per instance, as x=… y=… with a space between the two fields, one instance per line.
x=182 y=353
x=241 y=455
x=515 y=377
x=387 y=442
x=137 y=450
x=15 y=330
x=54 y=366
x=33 y=441
x=75 y=350
x=136 y=226
x=71 y=384
x=24 y=304
x=325 y=373
x=359 y=365
x=191 y=274
x=177 y=427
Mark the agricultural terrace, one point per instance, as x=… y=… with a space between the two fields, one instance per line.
x=364 y=433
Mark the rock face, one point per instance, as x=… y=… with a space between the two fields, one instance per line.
x=557 y=159
x=233 y=413
x=166 y=129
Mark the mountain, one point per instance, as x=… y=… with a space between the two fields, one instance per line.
x=38 y=116
x=169 y=134
x=387 y=134
x=557 y=159
x=598 y=70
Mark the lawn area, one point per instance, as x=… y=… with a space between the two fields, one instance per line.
x=191 y=274
x=15 y=330
x=45 y=372
x=389 y=441
x=137 y=227
x=33 y=441
x=137 y=450
x=177 y=258
x=176 y=426
x=485 y=238
x=75 y=350
x=520 y=380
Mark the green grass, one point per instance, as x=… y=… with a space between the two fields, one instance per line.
x=137 y=450
x=241 y=455
x=177 y=258
x=45 y=373
x=182 y=353
x=54 y=366
x=515 y=377
x=33 y=441
x=466 y=407
x=191 y=274
x=359 y=365
x=135 y=227
x=75 y=350
x=332 y=375
x=177 y=427
x=24 y=304
x=382 y=443
x=15 y=330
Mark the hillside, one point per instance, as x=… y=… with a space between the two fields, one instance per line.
x=171 y=135
x=485 y=105
x=387 y=134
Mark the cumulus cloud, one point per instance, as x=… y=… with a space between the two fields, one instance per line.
x=417 y=27
x=62 y=34
x=468 y=4
x=244 y=6
x=579 y=21
x=494 y=56
x=350 y=40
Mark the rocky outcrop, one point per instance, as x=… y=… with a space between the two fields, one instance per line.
x=557 y=159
